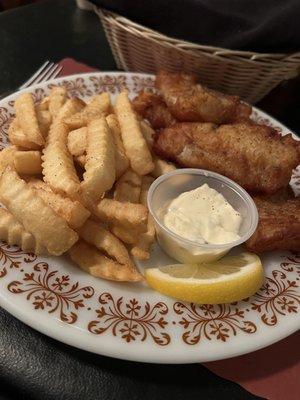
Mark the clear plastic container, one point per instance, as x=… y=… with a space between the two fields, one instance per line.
x=169 y=186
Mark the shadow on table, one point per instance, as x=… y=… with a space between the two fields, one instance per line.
x=281 y=356
x=35 y=366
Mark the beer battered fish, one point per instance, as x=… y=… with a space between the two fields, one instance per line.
x=278 y=227
x=187 y=100
x=152 y=107
x=255 y=156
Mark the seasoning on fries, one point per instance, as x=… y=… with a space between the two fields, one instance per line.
x=97 y=264
x=28 y=162
x=14 y=233
x=75 y=181
x=27 y=119
x=36 y=216
x=134 y=143
x=99 y=175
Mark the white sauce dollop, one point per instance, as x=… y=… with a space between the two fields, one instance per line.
x=203 y=215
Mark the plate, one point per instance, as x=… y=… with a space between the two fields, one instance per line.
x=131 y=321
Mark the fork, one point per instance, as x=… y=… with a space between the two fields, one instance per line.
x=47 y=71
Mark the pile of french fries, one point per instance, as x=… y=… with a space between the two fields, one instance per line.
x=75 y=180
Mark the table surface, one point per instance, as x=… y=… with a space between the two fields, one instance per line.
x=33 y=366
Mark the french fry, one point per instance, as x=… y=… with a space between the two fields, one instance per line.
x=105 y=241
x=58 y=168
x=135 y=145
x=126 y=234
x=128 y=214
x=81 y=160
x=7 y=157
x=43 y=105
x=28 y=162
x=44 y=120
x=69 y=108
x=145 y=240
x=141 y=249
x=146 y=183
x=72 y=211
x=57 y=98
x=27 y=119
x=161 y=167
x=17 y=136
x=147 y=132
x=98 y=106
x=122 y=162
x=14 y=233
x=37 y=217
x=77 y=144
x=77 y=141
x=91 y=260
x=128 y=187
x=99 y=173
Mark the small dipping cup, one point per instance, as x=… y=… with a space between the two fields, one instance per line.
x=169 y=186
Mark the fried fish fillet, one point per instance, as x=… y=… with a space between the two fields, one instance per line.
x=279 y=225
x=255 y=156
x=189 y=101
x=152 y=107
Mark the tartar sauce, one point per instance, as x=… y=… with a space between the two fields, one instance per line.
x=203 y=215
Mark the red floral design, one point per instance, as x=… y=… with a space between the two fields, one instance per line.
x=292 y=263
x=140 y=83
x=38 y=95
x=12 y=257
x=49 y=291
x=75 y=87
x=131 y=321
x=5 y=120
x=278 y=296
x=108 y=83
x=211 y=322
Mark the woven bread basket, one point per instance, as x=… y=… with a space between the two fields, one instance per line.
x=249 y=75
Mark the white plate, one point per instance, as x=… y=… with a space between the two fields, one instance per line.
x=131 y=321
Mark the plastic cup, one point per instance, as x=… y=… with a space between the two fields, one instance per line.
x=169 y=186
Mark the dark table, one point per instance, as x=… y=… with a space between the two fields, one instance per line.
x=33 y=366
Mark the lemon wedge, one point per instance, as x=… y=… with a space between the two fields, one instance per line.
x=227 y=280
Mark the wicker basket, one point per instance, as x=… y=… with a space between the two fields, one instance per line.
x=249 y=75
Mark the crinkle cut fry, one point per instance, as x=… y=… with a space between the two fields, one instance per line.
x=99 y=175
x=134 y=143
x=57 y=99
x=91 y=260
x=105 y=241
x=128 y=187
x=58 y=167
x=128 y=214
x=14 y=233
x=98 y=107
x=141 y=248
x=27 y=118
x=72 y=211
x=36 y=216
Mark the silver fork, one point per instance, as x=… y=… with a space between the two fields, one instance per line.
x=49 y=70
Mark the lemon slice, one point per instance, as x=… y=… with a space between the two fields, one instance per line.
x=230 y=279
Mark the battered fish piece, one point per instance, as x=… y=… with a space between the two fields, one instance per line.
x=189 y=101
x=255 y=156
x=278 y=227
x=152 y=107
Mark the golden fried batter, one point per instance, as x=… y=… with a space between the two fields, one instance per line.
x=189 y=101
x=255 y=156
x=279 y=224
x=152 y=107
